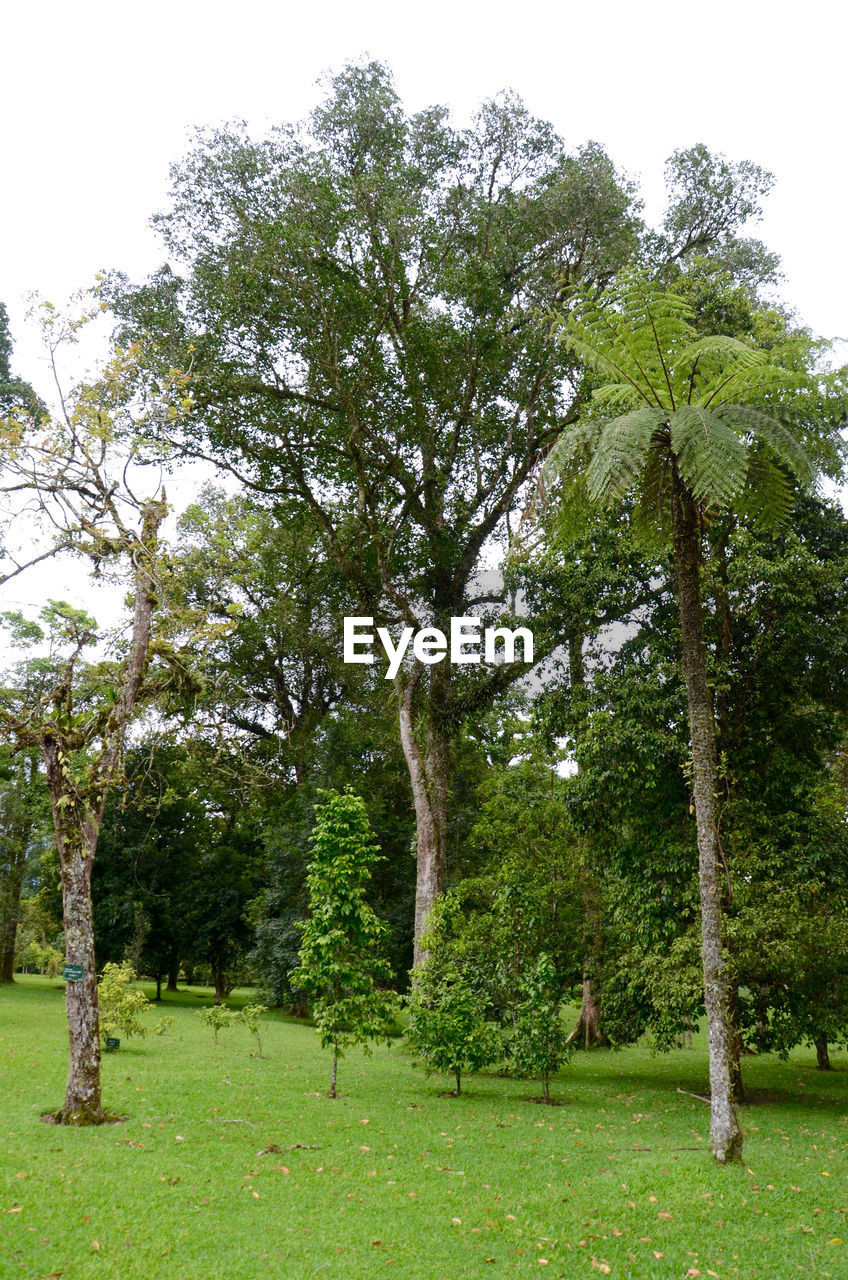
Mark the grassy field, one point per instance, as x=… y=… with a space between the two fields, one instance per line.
x=231 y=1167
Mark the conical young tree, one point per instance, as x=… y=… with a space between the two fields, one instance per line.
x=341 y=963
x=684 y=425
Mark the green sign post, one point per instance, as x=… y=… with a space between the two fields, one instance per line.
x=72 y=973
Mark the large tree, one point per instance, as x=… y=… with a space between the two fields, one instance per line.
x=688 y=425
x=355 y=307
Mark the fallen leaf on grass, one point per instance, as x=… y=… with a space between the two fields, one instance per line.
x=664 y=1215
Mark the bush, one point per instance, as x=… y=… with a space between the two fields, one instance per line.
x=539 y=1043
x=447 y=1026
x=448 y=1003
x=121 y=1002
x=218 y=1017
x=249 y=1016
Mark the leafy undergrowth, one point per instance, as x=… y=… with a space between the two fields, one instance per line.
x=241 y=1167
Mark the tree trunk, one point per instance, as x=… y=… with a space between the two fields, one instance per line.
x=173 y=972
x=725 y=1133
x=589 y=1022
x=158 y=996
x=737 y=1086
x=10 y=906
x=82 y=1103
x=458 y=1075
x=428 y=776
x=16 y=823
x=822 y=1056
x=335 y=1070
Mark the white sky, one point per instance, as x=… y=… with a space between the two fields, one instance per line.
x=97 y=99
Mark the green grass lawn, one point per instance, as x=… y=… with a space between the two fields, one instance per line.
x=394 y=1178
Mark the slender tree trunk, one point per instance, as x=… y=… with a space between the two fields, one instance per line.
x=725 y=1133
x=458 y=1075
x=10 y=903
x=16 y=823
x=158 y=995
x=589 y=1022
x=737 y=1085
x=173 y=972
x=429 y=778
x=335 y=1070
x=822 y=1056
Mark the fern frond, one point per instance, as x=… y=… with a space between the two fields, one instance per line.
x=630 y=333
x=777 y=438
x=767 y=498
x=719 y=349
x=572 y=450
x=746 y=382
x=710 y=455
x=614 y=397
x=651 y=513
x=620 y=453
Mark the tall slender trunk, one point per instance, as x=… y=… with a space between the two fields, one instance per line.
x=822 y=1056
x=429 y=779
x=737 y=1085
x=10 y=903
x=589 y=1022
x=335 y=1070
x=16 y=823
x=173 y=971
x=725 y=1133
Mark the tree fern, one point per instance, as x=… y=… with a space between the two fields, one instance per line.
x=669 y=399
x=684 y=425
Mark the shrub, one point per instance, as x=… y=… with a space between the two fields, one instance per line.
x=539 y=1042
x=121 y=1002
x=218 y=1017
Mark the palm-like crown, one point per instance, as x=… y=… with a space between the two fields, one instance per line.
x=666 y=399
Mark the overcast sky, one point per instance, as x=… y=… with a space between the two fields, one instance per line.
x=99 y=98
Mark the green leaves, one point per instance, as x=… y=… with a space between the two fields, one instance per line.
x=340 y=956
x=705 y=408
x=120 y=1002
